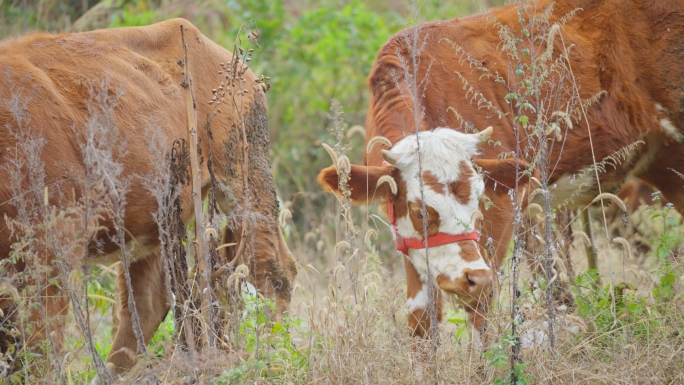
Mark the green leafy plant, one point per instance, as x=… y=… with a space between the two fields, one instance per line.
x=268 y=342
x=498 y=357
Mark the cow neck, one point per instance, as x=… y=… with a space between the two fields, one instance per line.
x=439 y=239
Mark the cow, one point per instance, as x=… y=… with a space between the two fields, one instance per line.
x=626 y=63
x=62 y=75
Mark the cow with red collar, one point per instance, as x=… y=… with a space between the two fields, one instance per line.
x=624 y=51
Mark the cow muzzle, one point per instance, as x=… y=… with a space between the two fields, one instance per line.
x=471 y=286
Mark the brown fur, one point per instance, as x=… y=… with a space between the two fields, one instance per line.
x=461 y=188
x=362 y=184
x=57 y=69
x=636 y=194
x=419 y=319
x=469 y=251
x=433 y=183
x=628 y=48
x=416 y=217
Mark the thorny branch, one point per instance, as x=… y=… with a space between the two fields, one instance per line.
x=203 y=262
x=416 y=93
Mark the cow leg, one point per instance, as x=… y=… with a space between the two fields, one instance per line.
x=56 y=306
x=662 y=174
x=152 y=303
x=417 y=302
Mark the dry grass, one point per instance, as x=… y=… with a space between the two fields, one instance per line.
x=348 y=318
x=350 y=323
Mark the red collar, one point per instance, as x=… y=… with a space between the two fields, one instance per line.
x=439 y=239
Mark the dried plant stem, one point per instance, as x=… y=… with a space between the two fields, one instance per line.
x=188 y=328
x=103 y=374
x=592 y=255
x=53 y=351
x=196 y=175
x=245 y=146
x=416 y=92
x=125 y=265
x=586 y=223
x=544 y=161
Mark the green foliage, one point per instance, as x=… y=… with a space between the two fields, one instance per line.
x=20 y=16
x=269 y=343
x=133 y=19
x=620 y=308
x=665 y=239
x=270 y=16
x=163 y=337
x=498 y=357
x=309 y=74
x=458 y=319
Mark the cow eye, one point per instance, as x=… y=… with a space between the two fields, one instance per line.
x=419 y=215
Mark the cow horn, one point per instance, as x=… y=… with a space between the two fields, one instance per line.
x=389 y=157
x=487 y=132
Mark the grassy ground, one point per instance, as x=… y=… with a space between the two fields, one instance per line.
x=333 y=335
x=347 y=321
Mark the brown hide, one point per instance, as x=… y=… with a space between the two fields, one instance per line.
x=631 y=49
x=143 y=63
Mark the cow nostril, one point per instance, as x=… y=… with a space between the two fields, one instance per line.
x=478 y=282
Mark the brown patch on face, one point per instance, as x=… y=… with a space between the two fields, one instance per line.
x=461 y=188
x=418 y=319
x=416 y=216
x=431 y=181
x=469 y=251
x=471 y=287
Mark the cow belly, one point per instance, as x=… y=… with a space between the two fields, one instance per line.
x=138 y=249
x=571 y=190
x=579 y=190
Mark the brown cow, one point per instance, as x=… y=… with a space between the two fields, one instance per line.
x=631 y=49
x=58 y=72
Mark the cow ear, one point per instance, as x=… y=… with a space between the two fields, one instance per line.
x=365 y=183
x=503 y=172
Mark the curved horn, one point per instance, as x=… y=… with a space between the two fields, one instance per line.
x=389 y=157
x=487 y=132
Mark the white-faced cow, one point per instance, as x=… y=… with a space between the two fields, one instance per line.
x=628 y=52
x=143 y=66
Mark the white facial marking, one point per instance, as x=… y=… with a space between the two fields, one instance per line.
x=444 y=153
x=445 y=260
x=444 y=150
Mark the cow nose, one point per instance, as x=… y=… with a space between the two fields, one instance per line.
x=479 y=282
x=470 y=285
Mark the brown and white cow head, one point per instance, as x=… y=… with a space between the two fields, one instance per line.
x=451 y=191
